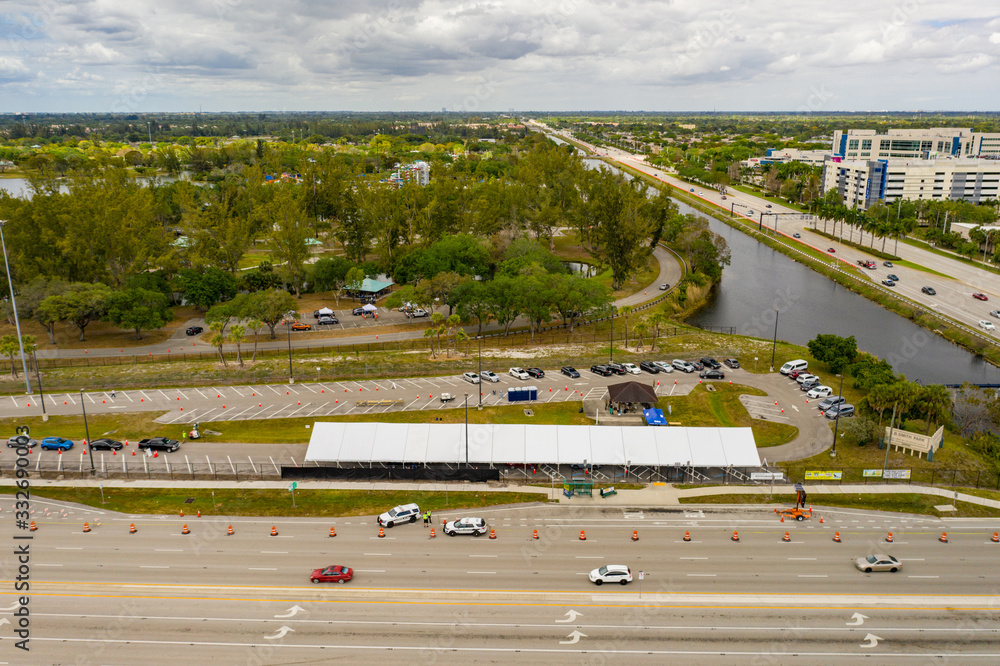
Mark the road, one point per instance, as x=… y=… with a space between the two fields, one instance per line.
x=158 y=596
x=954 y=288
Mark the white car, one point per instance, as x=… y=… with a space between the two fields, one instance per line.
x=986 y=325
x=632 y=368
x=820 y=392
x=806 y=377
x=611 y=573
x=474 y=526
x=995 y=313
x=489 y=376
x=471 y=377
x=663 y=366
x=405 y=513
x=518 y=373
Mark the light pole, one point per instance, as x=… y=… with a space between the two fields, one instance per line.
x=612 y=346
x=86 y=431
x=13 y=304
x=836 y=421
x=774 y=342
x=38 y=380
x=467 y=429
x=288 y=331
x=480 y=338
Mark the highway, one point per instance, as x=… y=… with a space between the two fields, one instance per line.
x=158 y=596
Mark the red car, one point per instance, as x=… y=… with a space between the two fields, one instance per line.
x=830 y=250
x=334 y=573
x=980 y=297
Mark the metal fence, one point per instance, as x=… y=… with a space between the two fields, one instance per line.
x=143 y=467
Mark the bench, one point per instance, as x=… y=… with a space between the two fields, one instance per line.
x=608 y=492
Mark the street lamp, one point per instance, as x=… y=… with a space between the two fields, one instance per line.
x=836 y=421
x=86 y=430
x=13 y=304
x=288 y=331
x=467 y=428
x=612 y=346
x=774 y=342
x=480 y=338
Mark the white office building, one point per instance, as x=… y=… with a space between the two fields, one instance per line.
x=783 y=155
x=863 y=183
x=864 y=144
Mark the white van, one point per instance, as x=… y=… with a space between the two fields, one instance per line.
x=792 y=366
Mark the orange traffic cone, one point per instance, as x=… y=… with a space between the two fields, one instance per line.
x=34 y=527
x=782 y=519
x=943 y=538
x=131 y=529
x=182 y=513
x=821 y=520
x=433 y=533
x=836 y=537
x=888 y=537
x=274 y=530
x=687 y=536
x=583 y=535
x=996 y=536
x=493 y=534
x=199 y=513
x=230 y=532
x=635 y=535
x=786 y=538
x=534 y=535
x=185 y=530
x=381 y=532
x=86 y=527
x=333 y=531
x=736 y=535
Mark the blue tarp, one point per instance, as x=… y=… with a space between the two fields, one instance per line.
x=654 y=417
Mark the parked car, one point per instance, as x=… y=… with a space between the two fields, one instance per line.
x=649 y=367
x=830 y=402
x=893 y=277
x=336 y=573
x=805 y=377
x=518 y=373
x=810 y=385
x=56 y=444
x=611 y=573
x=357 y=312
x=930 y=291
x=986 y=325
x=682 y=365
x=710 y=362
x=471 y=377
x=842 y=410
x=731 y=363
x=712 y=374
x=299 y=326
x=980 y=297
x=327 y=320
x=489 y=376
x=697 y=366
x=159 y=444
x=474 y=526
x=819 y=392
x=631 y=368
x=601 y=370
x=889 y=283
x=105 y=444
x=664 y=366
x=194 y=330
x=417 y=313
x=21 y=440
x=570 y=372
x=878 y=562
x=616 y=368
x=537 y=373
x=404 y=513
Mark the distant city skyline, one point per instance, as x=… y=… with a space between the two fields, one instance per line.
x=481 y=55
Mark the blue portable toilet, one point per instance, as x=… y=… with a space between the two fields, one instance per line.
x=531 y=393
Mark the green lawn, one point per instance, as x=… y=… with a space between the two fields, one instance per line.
x=722 y=408
x=275 y=502
x=900 y=503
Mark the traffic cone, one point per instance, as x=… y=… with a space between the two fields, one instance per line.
x=131 y=529
x=230 y=531
x=996 y=537
x=836 y=537
x=185 y=530
x=888 y=538
x=274 y=530
x=943 y=538
x=333 y=531
x=583 y=535
x=86 y=527
x=821 y=520
x=687 y=536
x=782 y=519
x=493 y=534
x=381 y=532
x=433 y=533
x=736 y=535
x=534 y=535
x=786 y=538
x=182 y=513
x=199 y=513
x=33 y=527
x=635 y=535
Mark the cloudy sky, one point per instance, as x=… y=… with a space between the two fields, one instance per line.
x=749 y=55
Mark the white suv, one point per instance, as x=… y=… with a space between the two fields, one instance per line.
x=474 y=526
x=405 y=513
x=682 y=365
x=631 y=368
x=664 y=366
x=518 y=373
x=611 y=573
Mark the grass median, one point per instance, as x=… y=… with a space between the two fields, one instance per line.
x=276 y=502
x=915 y=503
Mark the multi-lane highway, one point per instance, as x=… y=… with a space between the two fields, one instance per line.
x=159 y=596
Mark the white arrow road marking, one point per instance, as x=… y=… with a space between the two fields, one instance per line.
x=4 y=621
x=284 y=630
x=575 y=638
x=858 y=618
x=9 y=608
x=291 y=611
x=571 y=615
x=872 y=641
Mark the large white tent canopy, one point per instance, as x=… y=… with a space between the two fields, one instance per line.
x=491 y=444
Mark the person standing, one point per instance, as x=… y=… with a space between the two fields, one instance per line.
x=427 y=518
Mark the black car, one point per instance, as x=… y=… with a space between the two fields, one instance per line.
x=159 y=444
x=105 y=444
x=601 y=370
x=537 y=373
x=649 y=367
x=810 y=385
x=327 y=320
x=194 y=330
x=731 y=363
x=710 y=362
x=929 y=291
x=616 y=368
x=698 y=365
x=569 y=371
x=712 y=374
x=893 y=277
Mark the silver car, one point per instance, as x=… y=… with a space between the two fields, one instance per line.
x=471 y=377
x=878 y=562
x=489 y=376
x=474 y=526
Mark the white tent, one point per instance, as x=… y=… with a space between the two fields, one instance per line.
x=324 y=311
x=368 y=307
x=517 y=444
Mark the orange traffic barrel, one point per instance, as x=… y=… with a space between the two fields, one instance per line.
x=86 y=527
x=736 y=535
x=230 y=532
x=185 y=530
x=381 y=532
x=836 y=537
x=433 y=534
x=131 y=529
x=635 y=535
x=583 y=535
x=35 y=527
x=333 y=531
x=534 y=535
x=493 y=534
x=943 y=538
x=274 y=530
x=787 y=537
x=687 y=536
x=888 y=537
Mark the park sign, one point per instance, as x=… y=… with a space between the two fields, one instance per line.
x=823 y=476
x=912 y=442
x=767 y=476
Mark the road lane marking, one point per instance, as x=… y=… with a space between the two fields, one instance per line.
x=153 y=566
x=69 y=547
x=170 y=550
x=482 y=555
x=40 y=564
x=471 y=572
x=813 y=576
x=802 y=558
x=378 y=554
x=699 y=575
x=262 y=569
x=693 y=558
x=275 y=552
x=590 y=557
x=923 y=576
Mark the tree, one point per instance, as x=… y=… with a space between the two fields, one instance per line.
x=11 y=349
x=330 y=274
x=864 y=430
x=48 y=314
x=138 y=309
x=935 y=401
x=353 y=280
x=206 y=288
x=430 y=334
x=271 y=307
x=217 y=339
x=261 y=278
x=473 y=303
x=80 y=304
x=237 y=336
x=439 y=326
x=255 y=326
x=502 y=295
x=837 y=352
x=621 y=219
x=289 y=231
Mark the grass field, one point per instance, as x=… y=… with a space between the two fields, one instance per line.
x=896 y=502
x=722 y=408
x=275 y=502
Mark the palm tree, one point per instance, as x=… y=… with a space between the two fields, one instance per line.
x=657 y=320
x=935 y=400
x=217 y=339
x=430 y=333
x=254 y=325
x=237 y=336
x=641 y=329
